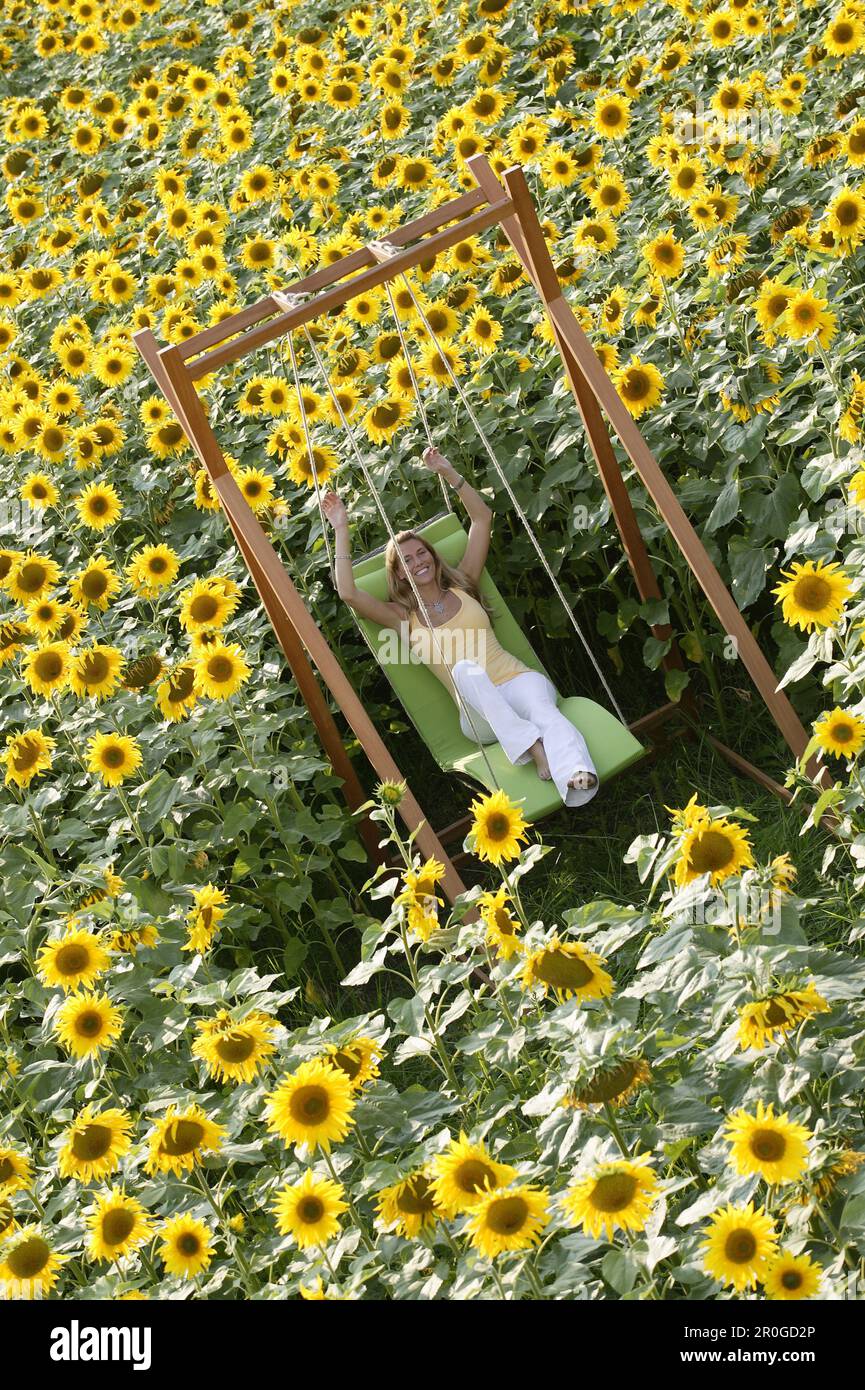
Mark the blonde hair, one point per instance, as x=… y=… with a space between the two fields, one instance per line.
x=447 y=576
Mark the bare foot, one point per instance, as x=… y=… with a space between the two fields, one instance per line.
x=539 y=758
x=583 y=781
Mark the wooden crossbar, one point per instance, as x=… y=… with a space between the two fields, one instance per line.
x=258 y=336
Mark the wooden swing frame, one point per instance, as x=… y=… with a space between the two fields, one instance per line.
x=507 y=204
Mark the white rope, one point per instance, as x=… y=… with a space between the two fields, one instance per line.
x=325 y=528
x=388 y=251
x=289 y=302
x=416 y=388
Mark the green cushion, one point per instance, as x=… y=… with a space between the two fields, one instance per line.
x=435 y=715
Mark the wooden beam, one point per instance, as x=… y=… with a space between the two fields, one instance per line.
x=367 y=280
x=525 y=234
x=291 y=619
x=583 y=359
x=328 y=275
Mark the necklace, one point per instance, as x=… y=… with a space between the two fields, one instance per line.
x=439 y=606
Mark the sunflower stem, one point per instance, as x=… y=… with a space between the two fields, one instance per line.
x=353 y=1212
x=615 y=1131
x=247 y=1279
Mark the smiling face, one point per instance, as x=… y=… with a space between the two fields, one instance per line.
x=417 y=561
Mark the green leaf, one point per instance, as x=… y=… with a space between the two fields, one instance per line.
x=293 y=956
x=675 y=682
x=620 y=1270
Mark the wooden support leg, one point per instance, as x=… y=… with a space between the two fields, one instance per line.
x=282 y=600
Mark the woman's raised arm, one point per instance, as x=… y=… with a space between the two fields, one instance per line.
x=480 y=515
x=385 y=614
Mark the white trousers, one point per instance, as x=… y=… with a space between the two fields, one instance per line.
x=516 y=714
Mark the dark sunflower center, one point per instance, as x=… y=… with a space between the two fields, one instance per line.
x=94 y=584
x=204 y=608
x=31 y=578
x=235 y=1047
x=117 y=1225
x=157 y=564
x=711 y=851
x=508 y=1215
x=812 y=593
x=740 y=1247
x=91 y=1142
x=113 y=756
x=841 y=732
x=94 y=668
x=182 y=1137
x=562 y=971
x=768 y=1145
x=220 y=669
x=188 y=1244
x=613 y=1192
x=791 y=1279
x=89 y=1024
x=310 y=1210
x=348 y=1061
x=29 y=1258
x=498 y=826
x=71 y=960
x=473 y=1175
x=25 y=755
x=416 y=1197
x=7 y=1169
x=310 y=1105
x=609 y=1085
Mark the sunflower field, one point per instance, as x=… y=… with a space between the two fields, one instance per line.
x=235 y=1062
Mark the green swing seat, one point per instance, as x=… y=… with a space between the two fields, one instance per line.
x=435 y=715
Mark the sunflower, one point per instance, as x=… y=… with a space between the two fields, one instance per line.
x=640 y=386
x=358 y=1058
x=75 y=959
x=739 y=1244
x=15 y=1171
x=464 y=1173
x=98 y=506
x=409 y=1205
x=117 y=1225
x=30 y=1266
x=497 y=828
x=807 y=318
x=845 y=215
x=96 y=671
x=309 y=1210
x=768 y=1144
x=234 y=1051
x=87 y=1023
x=612 y=116
x=665 y=256
x=482 y=332
x=186 y=1247
x=113 y=757
x=176 y=696
x=94 y=1144
x=559 y=168
x=178 y=1141
x=45 y=617
x=312 y=1105
x=510 y=1219
x=568 y=969
x=38 y=490
x=26 y=756
x=151 y=569
x=203 y=919
x=840 y=733
x=779 y=1013
x=95 y=584
x=221 y=671
x=306 y=471
x=205 y=604
x=790 y=1277
x=717 y=847
x=616 y=1196
x=613 y=1085
x=813 y=594
x=501 y=926
x=31 y=576
x=382 y=421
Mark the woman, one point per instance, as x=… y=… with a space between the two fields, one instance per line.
x=500 y=698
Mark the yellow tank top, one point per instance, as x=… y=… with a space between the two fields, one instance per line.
x=467 y=636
